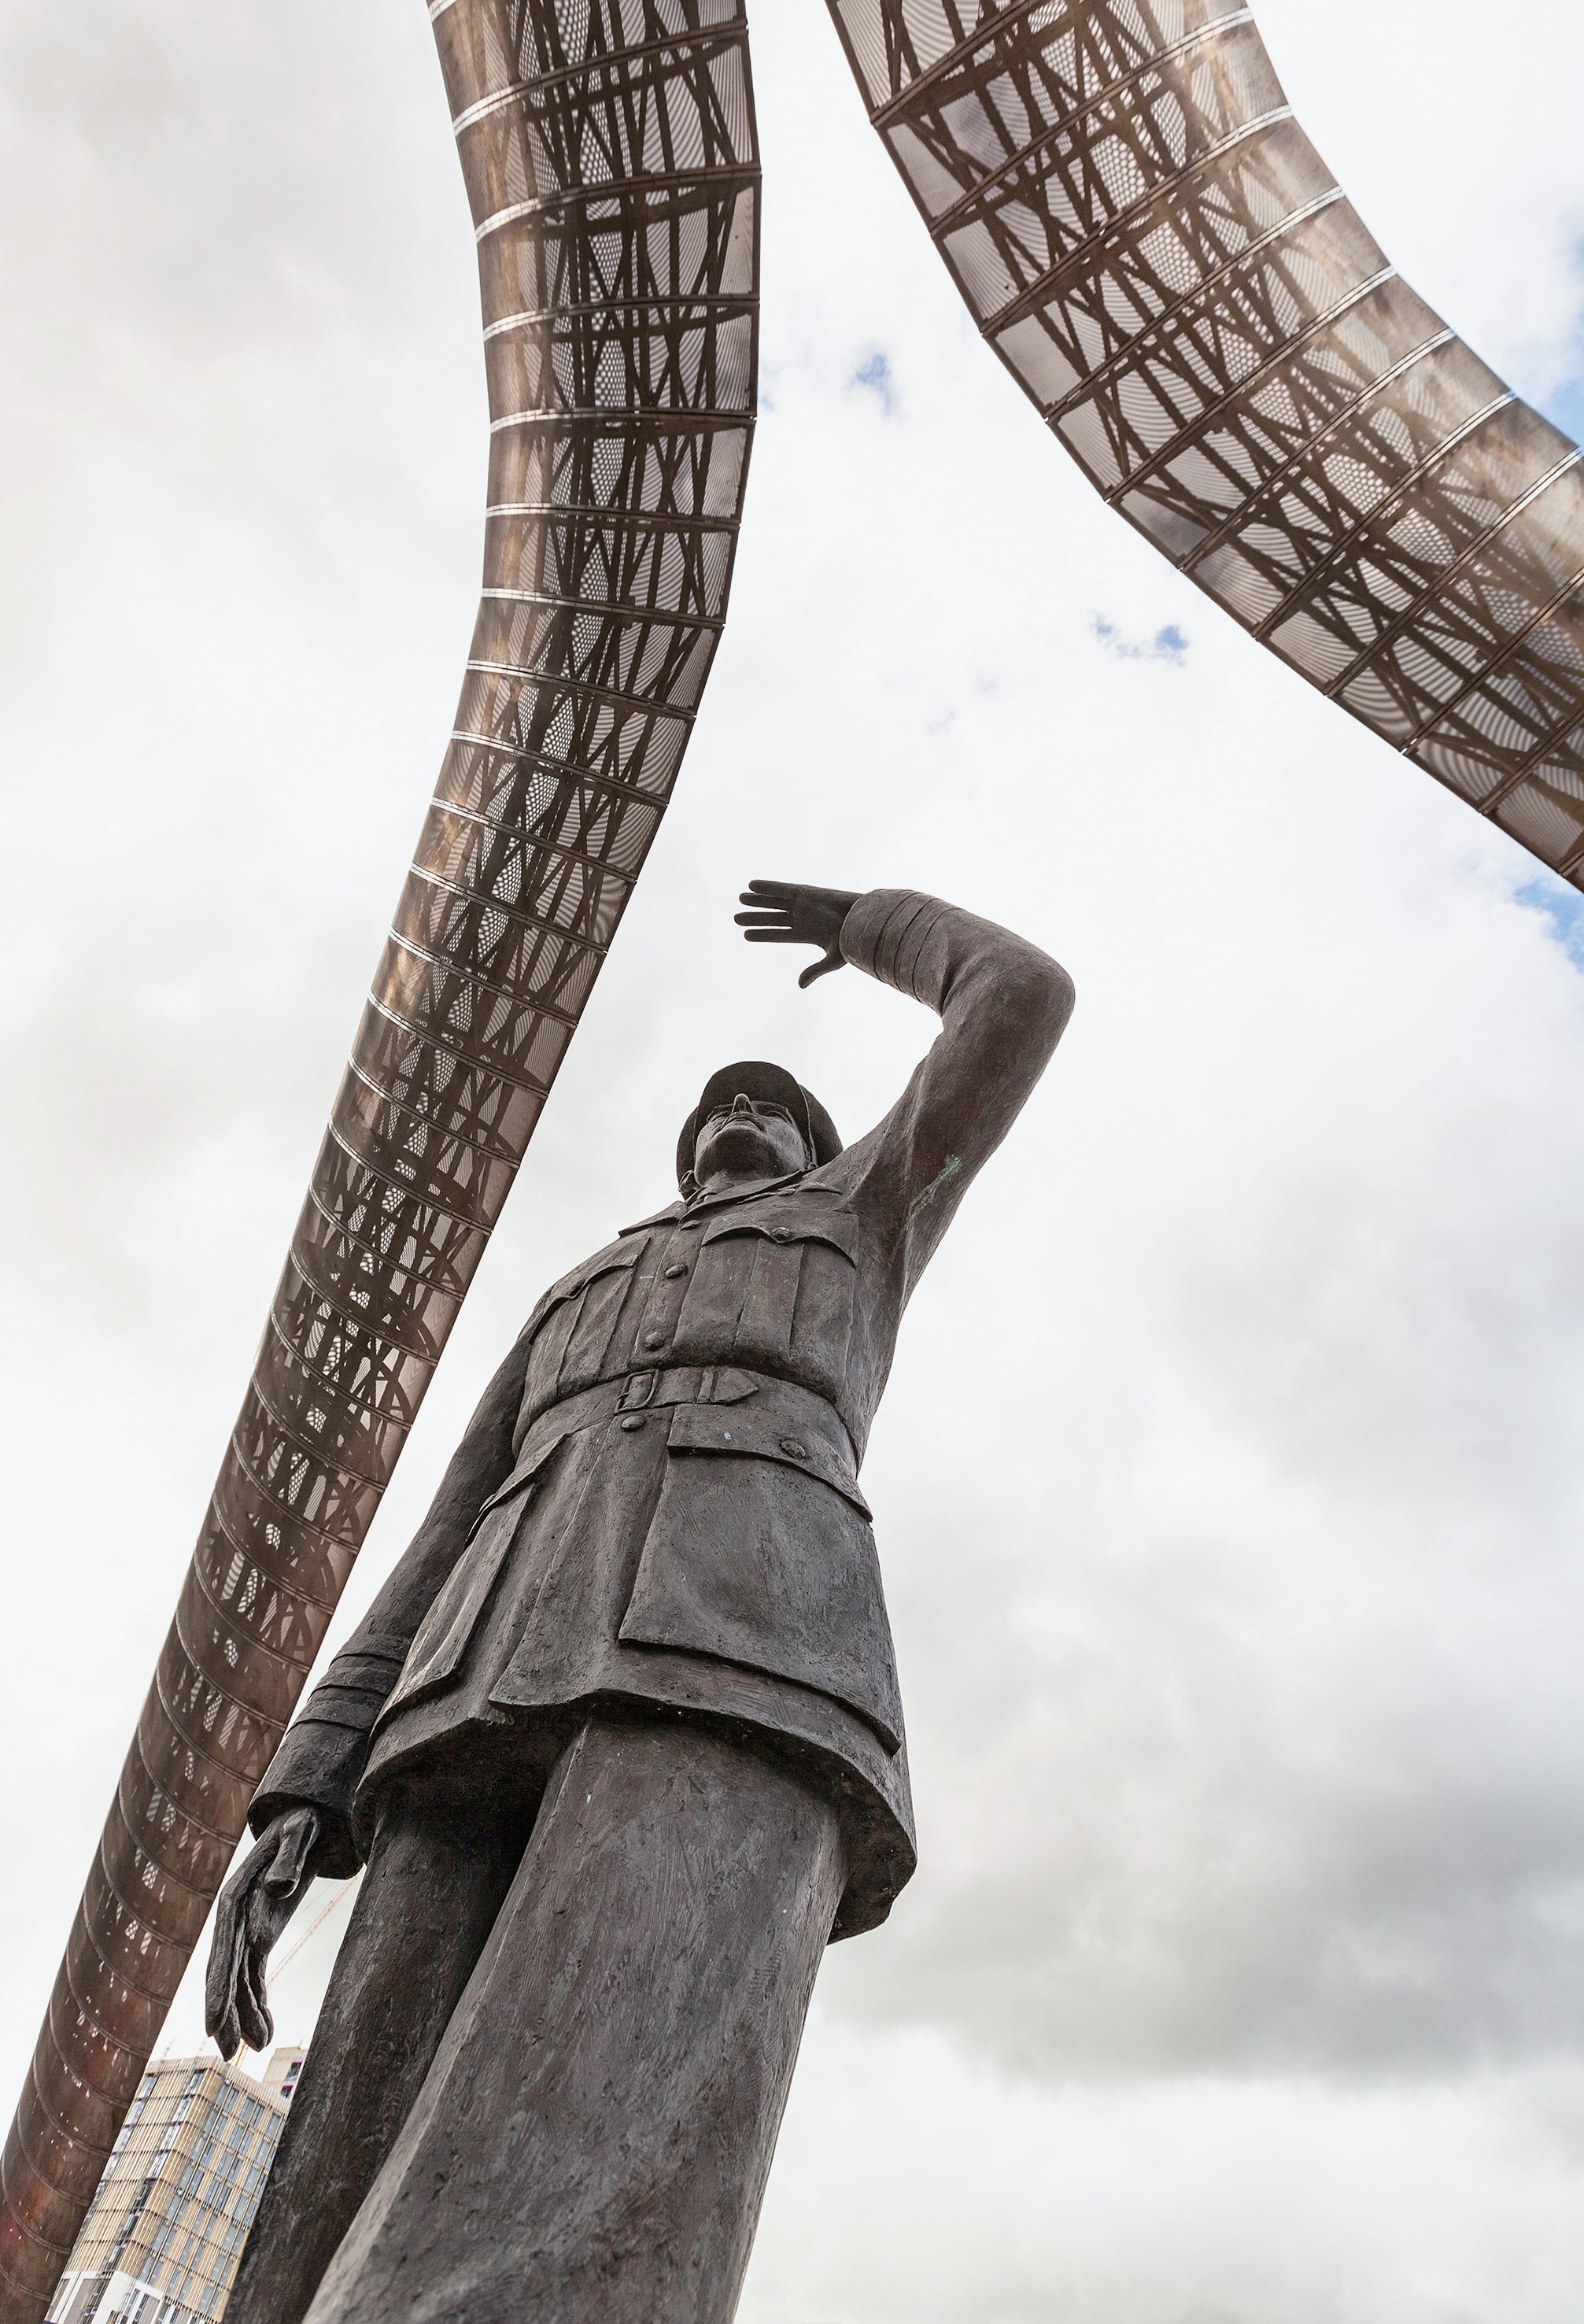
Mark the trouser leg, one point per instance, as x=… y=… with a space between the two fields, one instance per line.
x=592 y=2143
x=429 y=1900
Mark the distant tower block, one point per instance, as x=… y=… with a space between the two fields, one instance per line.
x=161 y=2242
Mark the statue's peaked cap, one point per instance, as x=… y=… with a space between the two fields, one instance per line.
x=757 y=1079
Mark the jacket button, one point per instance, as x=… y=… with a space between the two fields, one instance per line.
x=654 y=1339
x=794 y=1448
x=672 y=1272
x=633 y=1420
x=780 y=1234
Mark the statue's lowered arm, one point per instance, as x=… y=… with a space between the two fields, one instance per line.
x=302 y=1810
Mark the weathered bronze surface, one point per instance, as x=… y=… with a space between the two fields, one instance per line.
x=1156 y=250
x=622 y=1736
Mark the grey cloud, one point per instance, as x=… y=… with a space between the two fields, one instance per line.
x=134 y=134
x=1170 y=1851
x=1228 y=1481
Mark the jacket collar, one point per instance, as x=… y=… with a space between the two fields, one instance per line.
x=702 y=1203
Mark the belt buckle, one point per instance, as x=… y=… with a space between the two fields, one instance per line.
x=638 y=1391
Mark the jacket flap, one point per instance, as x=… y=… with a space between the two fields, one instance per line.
x=789 y=1222
x=759 y=1561
x=540 y=1446
x=603 y=1262
x=819 y=1450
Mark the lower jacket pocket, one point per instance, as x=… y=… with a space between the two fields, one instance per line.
x=757 y=1562
x=442 y=1637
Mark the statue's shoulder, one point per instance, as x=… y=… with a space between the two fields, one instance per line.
x=623 y=1252
x=672 y=1211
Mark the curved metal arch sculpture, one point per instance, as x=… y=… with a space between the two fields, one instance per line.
x=610 y=155
x=1157 y=254
x=1156 y=250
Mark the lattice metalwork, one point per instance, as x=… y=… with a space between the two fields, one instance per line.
x=1156 y=252
x=1162 y=260
x=609 y=152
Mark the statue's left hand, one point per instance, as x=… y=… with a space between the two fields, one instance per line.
x=782 y=912
x=254 y=1906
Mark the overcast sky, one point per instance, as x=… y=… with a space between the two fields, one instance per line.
x=1230 y=1477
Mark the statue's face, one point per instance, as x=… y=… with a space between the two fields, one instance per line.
x=749 y=1138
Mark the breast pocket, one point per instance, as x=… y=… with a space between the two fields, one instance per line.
x=761 y=1552
x=775 y=1292
x=571 y=1328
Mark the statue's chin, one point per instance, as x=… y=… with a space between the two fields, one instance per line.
x=742 y=1152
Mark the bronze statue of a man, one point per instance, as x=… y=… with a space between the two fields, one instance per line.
x=621 y=1740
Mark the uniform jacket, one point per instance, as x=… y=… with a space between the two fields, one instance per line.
x=657 y=1503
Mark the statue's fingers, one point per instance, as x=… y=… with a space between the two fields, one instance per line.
x=253 y=2001
x=225 y=2032
x=220 y=1996
x=234 y=1896
x=762 y=891
x=225 y=1946
x=222 y=1945
x=227 y=1918
x=765 y=919
x=833 y=960
x=776 y=936
x=227 y=1974
x=253 y=2018
x=253 y=1996
x=267 y=1912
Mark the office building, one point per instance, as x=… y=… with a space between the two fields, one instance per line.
x=179 y=2194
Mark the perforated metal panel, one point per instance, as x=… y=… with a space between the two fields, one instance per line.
x=1156 y=252
x=1159 y=256
x=609 y=150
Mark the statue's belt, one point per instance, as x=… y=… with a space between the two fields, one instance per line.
x=773 y=1418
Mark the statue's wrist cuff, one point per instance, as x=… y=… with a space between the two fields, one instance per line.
x=885 y=934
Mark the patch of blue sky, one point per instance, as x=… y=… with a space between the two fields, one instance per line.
x=1564 y=407
x=875 y=377
x=1563 y=403
x=1561 y=906
x=1167 y=644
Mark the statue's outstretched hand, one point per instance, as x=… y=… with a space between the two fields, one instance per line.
x=254 y=1906
x=781 y=912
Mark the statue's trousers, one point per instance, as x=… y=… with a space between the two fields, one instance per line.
x=553 y=2060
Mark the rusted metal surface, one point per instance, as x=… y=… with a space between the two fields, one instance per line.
x=1160 y=257
x=609 y=152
